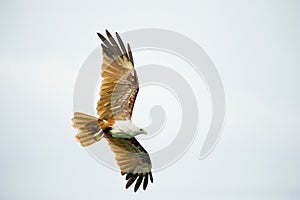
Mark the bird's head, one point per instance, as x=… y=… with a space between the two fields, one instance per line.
x=140 y=131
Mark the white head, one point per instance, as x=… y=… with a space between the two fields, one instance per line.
x=128 y=127
x=140 y=131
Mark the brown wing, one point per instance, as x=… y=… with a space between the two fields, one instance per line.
x=133 y=160
x=120 y=83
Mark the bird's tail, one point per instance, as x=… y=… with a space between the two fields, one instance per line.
x=89 y=130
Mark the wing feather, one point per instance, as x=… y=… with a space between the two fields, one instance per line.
x=133 y=160
x=145 y=182
x=120 y=83
x=122 y=45
x=138 y=182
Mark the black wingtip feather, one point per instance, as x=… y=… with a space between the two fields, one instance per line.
x=108 y=44
x=122 y=45
x=114 y=43
x=128 y=176
x=107 y=33
x=145 y=182
x=138 y=182
x=151 y=177
x=131 y=180
x=130 y=53
x=101 y=37
x=115 y=48
x=107 y=50
x=138 y=179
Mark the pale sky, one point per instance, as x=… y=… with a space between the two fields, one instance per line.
x=255 y=47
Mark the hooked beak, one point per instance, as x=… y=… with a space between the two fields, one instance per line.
x=142 y=132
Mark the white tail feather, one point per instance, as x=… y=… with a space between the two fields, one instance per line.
x=89 y=130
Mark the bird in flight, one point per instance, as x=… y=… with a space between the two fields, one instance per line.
x=117 y=96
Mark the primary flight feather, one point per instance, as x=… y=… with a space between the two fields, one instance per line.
x=117 y=96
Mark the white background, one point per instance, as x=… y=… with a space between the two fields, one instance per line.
x=255 y=47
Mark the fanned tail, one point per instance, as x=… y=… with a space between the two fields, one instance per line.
x=89 y=130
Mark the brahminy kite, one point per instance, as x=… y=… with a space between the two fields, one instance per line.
x=117 y=96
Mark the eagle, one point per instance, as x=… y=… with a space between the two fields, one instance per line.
x=118 y=93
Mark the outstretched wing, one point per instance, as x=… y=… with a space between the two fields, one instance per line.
x=120 y=83
x=133 y=160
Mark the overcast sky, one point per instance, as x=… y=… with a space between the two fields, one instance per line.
x=255 y=46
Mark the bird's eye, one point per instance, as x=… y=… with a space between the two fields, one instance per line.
x=141 y=129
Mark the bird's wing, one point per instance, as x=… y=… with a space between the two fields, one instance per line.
x=133 y=160
x=120 y=83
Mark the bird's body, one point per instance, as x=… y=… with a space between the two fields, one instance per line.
x=117 y=96
x=125 y=129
